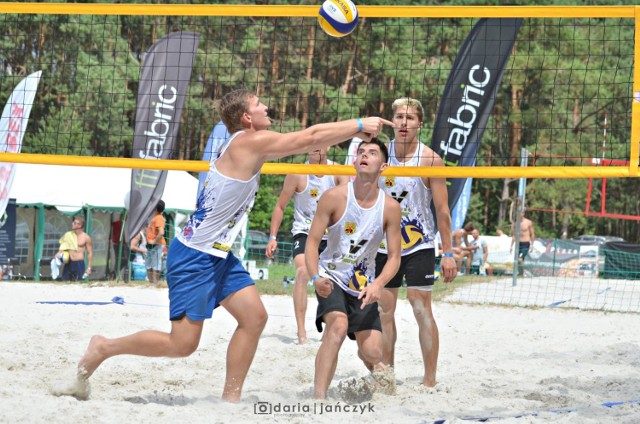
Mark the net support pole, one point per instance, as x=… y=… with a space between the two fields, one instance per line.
x=635 y=105
x=522 y=182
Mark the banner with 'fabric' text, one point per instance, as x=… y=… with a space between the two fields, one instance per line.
x=470 y=94
x=163 y=86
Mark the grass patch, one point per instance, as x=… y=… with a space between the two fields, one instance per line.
x=286 y=272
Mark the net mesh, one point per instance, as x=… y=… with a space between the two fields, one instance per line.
x=569 y=69
x=563 y=76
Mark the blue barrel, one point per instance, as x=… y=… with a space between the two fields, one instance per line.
x=138 y=272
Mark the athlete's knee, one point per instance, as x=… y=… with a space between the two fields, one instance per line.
x=260 y=320
x=301 y=274
x=387 y=312
x=337 y=331
x=185 y=347
x=420 y=302
x=387 y=304
x=254 y=321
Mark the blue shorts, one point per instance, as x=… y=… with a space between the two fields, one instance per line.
x=198 y=282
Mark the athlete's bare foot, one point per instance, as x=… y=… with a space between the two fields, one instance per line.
x=385 y=380
x=429 y=383
x=439 y=387
x=302 y=338
x=232 y=391
x=92 y=358
x=77 y=387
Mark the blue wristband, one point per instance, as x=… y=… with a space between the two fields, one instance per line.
x=315 y=277
x=448 y=255
x=360 y=125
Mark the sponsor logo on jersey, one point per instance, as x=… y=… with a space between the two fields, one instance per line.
x=358 y=280
x=389 y=181
x=411 y=233
x=349 y=228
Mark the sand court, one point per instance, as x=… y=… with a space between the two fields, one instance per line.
x=501 y=363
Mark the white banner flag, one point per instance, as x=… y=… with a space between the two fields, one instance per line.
x=13 y=124
x=352 y=153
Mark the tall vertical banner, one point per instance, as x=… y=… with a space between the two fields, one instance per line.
x=215 y=146
x=470 y=94
x=163 y=86
x=13 y=124
x=352 y=153
x=459 y=211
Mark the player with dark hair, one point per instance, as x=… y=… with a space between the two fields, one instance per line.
x=202 y=272
x=356 y=217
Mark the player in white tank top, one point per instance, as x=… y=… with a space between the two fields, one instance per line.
x=417 y=228
x=221 y=211
x=357 y=216
x=418 y=261
x=305 y=202
x=200 y=273
x=352 y=244
x=306 y=192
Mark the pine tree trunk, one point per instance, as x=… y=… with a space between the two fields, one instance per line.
x=347 y=79
x=308 y=74
x=504 y=201
x=515 y=126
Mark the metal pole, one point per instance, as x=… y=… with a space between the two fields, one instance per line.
x=123 y=221
x=524 y=159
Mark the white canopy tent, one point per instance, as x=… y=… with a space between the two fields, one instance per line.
x=70 y=188
x=45 y=194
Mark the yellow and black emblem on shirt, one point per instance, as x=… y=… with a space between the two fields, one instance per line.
x=349 y=228
x=389 y=181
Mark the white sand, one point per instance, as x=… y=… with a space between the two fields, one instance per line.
x=494 y=362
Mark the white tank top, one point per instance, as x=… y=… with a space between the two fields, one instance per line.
x=350 y=257
x=305 y=203
x=221 y=211
x=417 y=227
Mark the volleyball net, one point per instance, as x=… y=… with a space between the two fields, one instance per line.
x=568 y=95
x=570 y=67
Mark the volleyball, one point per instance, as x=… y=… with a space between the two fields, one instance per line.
x=64 y=257
x=338 y=17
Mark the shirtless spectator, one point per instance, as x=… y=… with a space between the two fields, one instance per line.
x=75 y=243
x=462 y=248
x=527 y=237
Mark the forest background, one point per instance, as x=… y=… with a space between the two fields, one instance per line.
x=86 y=101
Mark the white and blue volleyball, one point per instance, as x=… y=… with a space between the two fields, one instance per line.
x=338 y=17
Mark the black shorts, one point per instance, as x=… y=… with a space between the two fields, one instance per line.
x=524 y=249
x=416 y=268
x=300 y=242
x=341 y=301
